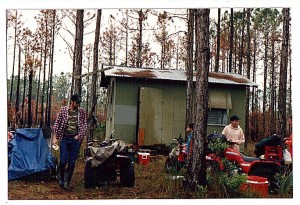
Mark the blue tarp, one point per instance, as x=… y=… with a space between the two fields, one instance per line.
x=28 y=153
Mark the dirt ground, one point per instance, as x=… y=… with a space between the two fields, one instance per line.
x=151 y=182
x=50 y=190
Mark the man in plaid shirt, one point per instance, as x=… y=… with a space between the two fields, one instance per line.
x=69 y=128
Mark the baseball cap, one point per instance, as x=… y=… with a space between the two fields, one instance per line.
x=234 y=117
x=76 y=98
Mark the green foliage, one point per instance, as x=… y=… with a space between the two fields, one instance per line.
x=100 y=132
x=201 y=192
x=217 y=147
x=174 y=186
x=225 y=184
x=232 y=184
x=285 y=184
x=229 y=167
x=62 y=85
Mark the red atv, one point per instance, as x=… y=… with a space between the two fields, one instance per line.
x=177 y=157
x=267 y=163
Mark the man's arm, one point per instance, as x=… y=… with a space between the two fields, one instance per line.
x=241 y=138
x=55 y=126
x=82 y=125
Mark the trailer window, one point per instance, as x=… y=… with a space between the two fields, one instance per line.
x=217 y=116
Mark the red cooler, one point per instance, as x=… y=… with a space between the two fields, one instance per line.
x=257 y=185
x=144 y=158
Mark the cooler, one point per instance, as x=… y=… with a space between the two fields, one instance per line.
x=143 y=158
x=257 y=185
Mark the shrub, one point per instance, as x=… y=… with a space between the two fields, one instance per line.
x=217 y=147
x=285 y=184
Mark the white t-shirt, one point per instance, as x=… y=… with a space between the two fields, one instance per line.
x=235 y=135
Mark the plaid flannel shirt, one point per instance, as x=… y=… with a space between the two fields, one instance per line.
x=62 y=119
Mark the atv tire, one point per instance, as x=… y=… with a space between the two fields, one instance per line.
x=89 y=175
x=268 y=170
x=127 y=176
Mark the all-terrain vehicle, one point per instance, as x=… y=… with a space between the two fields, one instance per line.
x=177 y=157
x=106 y=161
x=268 y=162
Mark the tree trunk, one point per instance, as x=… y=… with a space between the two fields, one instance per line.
x=51 y=71
x=38 y=91
x=272 y=87
x=217 y=60
x=95 y=74
x=235 y=48
x=29 y=116
x=139 y=52
x=126 y=41
x=253 y=106
x=78 y=51
x=290 y=90
x=23 y=118
x=248 y=76
x=14 y=59
x=196 y=45
x=283 y=72
x=231 y=41
x=265 y=81
x=242 y=45
x=177 y=53
x=196 y=172
x=17 y=108
x=44 y=74
x=290 y=82
x=189 y=68
x=48 y=88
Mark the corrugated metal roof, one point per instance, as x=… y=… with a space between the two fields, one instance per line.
x=176 y=75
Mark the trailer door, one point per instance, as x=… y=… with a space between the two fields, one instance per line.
x=150 y=116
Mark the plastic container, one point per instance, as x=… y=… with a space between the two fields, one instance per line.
x=143 y=158
x=55 y=147
x=256 y=184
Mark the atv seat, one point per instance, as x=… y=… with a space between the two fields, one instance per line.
x=249 y=159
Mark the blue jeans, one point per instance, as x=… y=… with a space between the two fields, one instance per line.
x=69 y=150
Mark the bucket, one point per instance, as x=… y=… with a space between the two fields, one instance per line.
x=256 y=184
x=143 y=158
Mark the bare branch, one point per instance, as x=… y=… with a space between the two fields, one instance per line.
x=69 y=46
x=92 y=73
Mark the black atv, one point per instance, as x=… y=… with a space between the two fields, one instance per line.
x=106 y=161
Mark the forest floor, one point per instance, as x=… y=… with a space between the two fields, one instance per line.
x=151 y=182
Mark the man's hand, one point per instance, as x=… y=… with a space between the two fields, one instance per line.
x=54 y=140
x=77 y=137
x=232 y=142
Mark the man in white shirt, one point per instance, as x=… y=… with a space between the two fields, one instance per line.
x=234 y=132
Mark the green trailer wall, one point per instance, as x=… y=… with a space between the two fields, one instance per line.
x=125 y=120
x=127 y=96
x=238 y=98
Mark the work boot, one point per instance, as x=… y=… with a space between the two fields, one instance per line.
x=61 y=180
x=61 y=176
x=61 y=183
x=67 y=186
x=67 y=181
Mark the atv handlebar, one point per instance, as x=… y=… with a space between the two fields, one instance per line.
x=232 y=142
x=179 y=140
x=91 y=142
